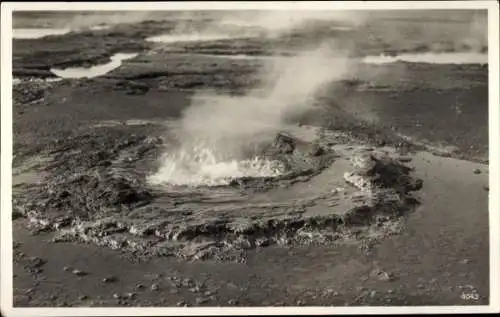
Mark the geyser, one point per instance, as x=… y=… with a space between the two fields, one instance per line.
x=220 y=136
x=201 y=167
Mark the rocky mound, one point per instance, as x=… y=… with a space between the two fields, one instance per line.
x=94 y=190
x=372 y=172
x=301 y=160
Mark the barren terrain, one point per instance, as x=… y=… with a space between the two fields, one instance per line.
x=375 y=194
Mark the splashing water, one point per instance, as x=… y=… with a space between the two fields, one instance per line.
x=201 y=167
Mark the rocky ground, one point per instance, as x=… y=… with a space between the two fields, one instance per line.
x=373 y=192
x=342 y=274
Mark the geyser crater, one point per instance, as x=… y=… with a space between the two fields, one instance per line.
x=205 y=164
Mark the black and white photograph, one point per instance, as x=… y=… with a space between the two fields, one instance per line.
x=244 y=155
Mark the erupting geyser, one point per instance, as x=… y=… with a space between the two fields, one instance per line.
x=220 y=135
x=200 y=167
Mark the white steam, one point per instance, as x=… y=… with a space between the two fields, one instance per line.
x=217 y=133
x=275 y=23
x=247 y=24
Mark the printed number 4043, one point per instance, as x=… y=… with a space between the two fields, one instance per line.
x=469 y=296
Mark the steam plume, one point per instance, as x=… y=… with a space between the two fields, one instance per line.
x=216 y=133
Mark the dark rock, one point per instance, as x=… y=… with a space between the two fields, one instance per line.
x=331 y=292
x=37 y=271
x=414 y=184
x=79 y=273
x=64 y=194
x=403 y=148
x=109 y=279
x=29 y=92
x=284 y=143
x=263 y=242
x=123 y=193
x=83 y=297
x=136 y=91
x=155 y=287
x=104 y=163
x=201 y=300
x=316 y=150
x=405 y=159
x=187 y=282
x=477 y=171
x=153 y=140
x=16 y=214
x=232 y=302
x=143 y=149
x=131 y=295
x=383 y=275
x=393 y=174
x=36 y=262
x=411 y=201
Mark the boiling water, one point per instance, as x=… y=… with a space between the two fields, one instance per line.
x=200 y=166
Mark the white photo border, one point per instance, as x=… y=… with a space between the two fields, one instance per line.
x=6 y=152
